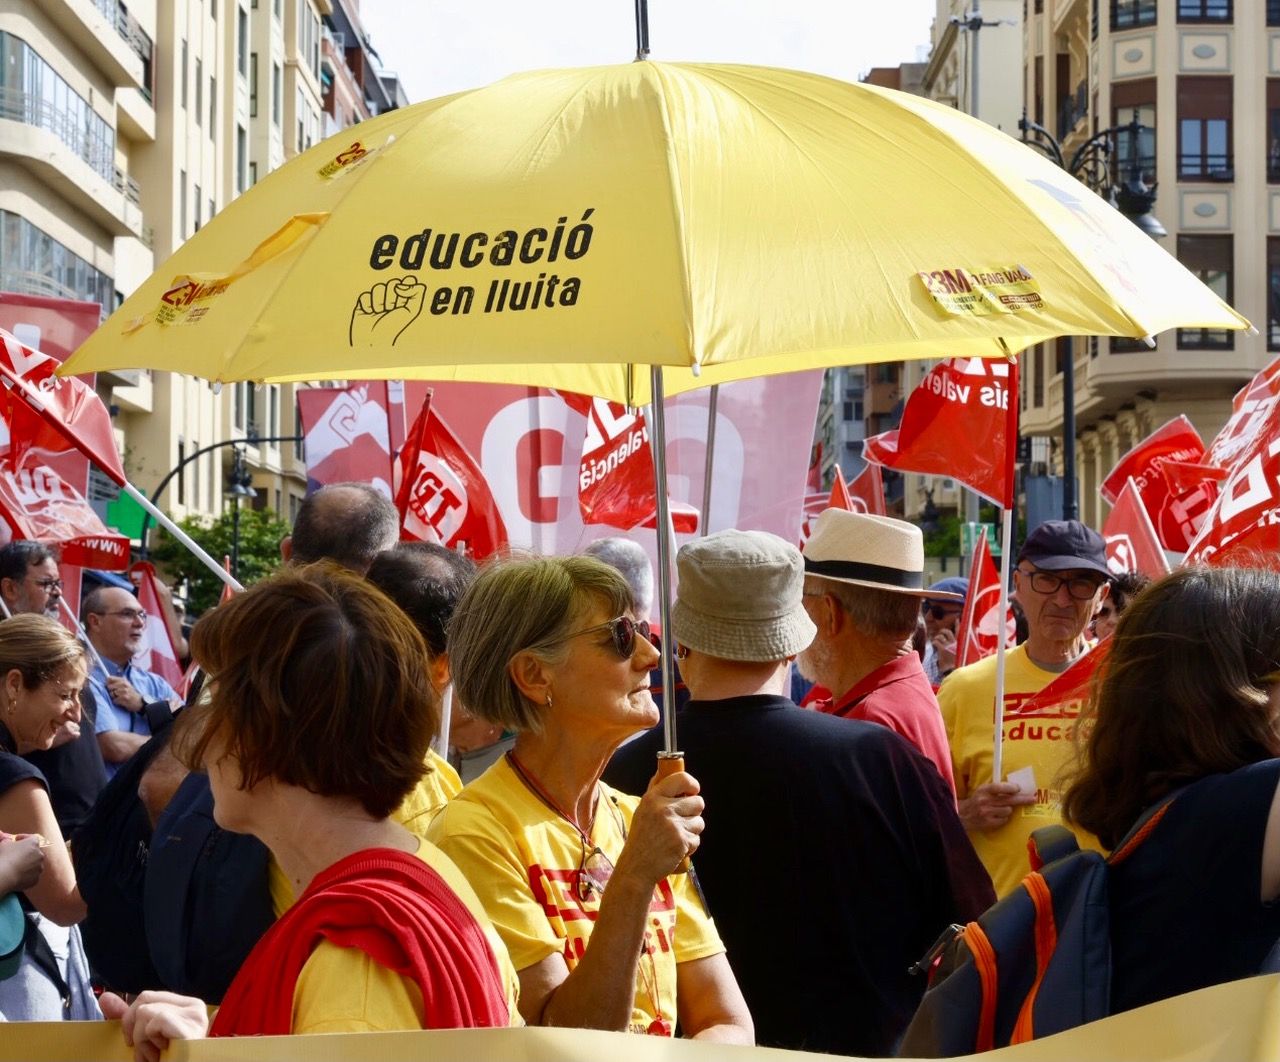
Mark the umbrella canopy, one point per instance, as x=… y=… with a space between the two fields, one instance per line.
x=570 y=228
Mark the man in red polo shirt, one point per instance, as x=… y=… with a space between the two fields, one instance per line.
x=864 y=581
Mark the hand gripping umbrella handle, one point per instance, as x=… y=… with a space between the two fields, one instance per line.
x=670 y=763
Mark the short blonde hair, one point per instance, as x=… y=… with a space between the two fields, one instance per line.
x=38 y=648
x=523 y=604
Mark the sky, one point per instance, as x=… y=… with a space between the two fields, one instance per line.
x=443 y=46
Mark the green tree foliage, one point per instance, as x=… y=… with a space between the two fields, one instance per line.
x=260 y=534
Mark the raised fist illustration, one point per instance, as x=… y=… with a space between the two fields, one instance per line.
x=382 y=313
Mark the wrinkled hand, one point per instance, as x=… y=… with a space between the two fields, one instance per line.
x=65 y=734
x=944 y=645
x=383 y=312
x=124 y=695
x=154 y=1019
x=666 y=828
x=21 y=862
x=990 y=806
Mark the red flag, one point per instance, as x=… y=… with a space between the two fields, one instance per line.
x=70 y=411
x=840 y=494
x=1175 y=518
x=158 y=653
x=346 y=435
x=867 y=488
x=978 y=634
x=1250 y=410
x=956 y=423
x=615 y=474
x=1069 y=691
x=813 y=483
x=1241 y=527
x=443 y=495
x=50 y=325
x=1132 y=543
x=36 y=503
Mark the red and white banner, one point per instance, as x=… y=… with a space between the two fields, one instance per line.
x=1070 y=690
x=346 y=435
x=1176 y=518
x=1243 y=527
x=36 y=503
x=55 y=327
x=955 y=423
x=1132 y=543
x=443 y=495
x=157 y=653
x=1251 y=409
x=978 y=634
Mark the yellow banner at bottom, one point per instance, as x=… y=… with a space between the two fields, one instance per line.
x=1237 y=1022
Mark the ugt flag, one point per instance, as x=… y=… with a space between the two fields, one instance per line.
x=1132 y=544
x=979 y=632
x=956 y=423
x=443 y=495
x=1176 y=518
x=346 y=435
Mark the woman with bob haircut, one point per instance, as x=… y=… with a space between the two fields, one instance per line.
x=316 y=727
x=42 y=668
x=579 y=879
x=1187 y=706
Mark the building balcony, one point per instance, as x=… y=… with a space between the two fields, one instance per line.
x=108 y=35
x=49 y=144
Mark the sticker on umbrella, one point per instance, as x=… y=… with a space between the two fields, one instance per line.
x=959 y=292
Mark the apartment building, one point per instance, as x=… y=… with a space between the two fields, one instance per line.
x=122 y=131
x=1204 y=77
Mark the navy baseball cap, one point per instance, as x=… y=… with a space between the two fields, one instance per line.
x=1065 y=545
x=943 y=589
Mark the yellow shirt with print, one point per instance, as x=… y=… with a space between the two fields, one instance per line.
x=1042 y=741
x=523 y=860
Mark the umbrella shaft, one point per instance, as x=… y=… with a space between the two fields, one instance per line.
x=658 y=428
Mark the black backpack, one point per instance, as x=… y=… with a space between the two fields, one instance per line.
x=1036 y=963
x=207 y=898
x=110 y=852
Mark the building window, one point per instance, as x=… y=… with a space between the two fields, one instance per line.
x=277 y=8
x=1273 y=128
x=253 y=174
x=182 y=204
x=1210 y=259
x=277 y=94
x=199 y=92
x=1273 y=292
x=1204 y=10
x=212 y=209
x=1204 y=129
x=1129 y=100
x=1273 y=12
x=253 y=85
x=242 y=41
x=242 y=159
x=195 y=202
x=182 y=90
x=1037 y=390
x=1129 y=14
x=33 y=262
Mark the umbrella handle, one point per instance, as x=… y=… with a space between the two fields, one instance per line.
x=670 y=763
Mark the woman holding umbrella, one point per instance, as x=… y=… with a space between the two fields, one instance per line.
x=579 y=880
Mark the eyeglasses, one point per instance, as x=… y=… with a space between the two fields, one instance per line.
x=594 y=872
x=130 y=614
x=1081 y=587
x=941 y=612
x=623 y=630
x=49 y=585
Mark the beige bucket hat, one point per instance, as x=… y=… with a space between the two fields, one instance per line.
x=741 y=597
x=865 y=550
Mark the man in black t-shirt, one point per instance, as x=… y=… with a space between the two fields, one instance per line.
x=30 y=583
x=832 y=856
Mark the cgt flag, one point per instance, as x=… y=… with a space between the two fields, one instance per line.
x=1176 y=518
x=158 y=653
x=443 y=495
x=1132 y=543
x=978 y=635
x=955 y=423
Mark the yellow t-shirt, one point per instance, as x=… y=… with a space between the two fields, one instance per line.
x=437 y=787
x=523 y=860
x=344 y=990
x=1042 y=742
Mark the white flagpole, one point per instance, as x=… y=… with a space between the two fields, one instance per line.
x=441 y=742
x=177 y=532
x=1006 y=548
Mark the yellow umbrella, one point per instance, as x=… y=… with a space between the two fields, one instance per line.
x=571 y=228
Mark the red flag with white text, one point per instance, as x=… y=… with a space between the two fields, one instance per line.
x=1132 y=543
x=443 y=495
x=346 y=435
x=955 y=423
x=1175 y=518
x=978 y=634
x=157 y=653
x=1251 y=408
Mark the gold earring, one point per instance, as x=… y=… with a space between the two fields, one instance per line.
x=548 y=700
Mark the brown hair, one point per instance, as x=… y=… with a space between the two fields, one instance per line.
x=38 y=648
x=1183 y=693
x=318 y=680
x=517 y=604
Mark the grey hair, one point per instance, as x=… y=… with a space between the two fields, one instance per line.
x=350 y=523
x=632 y=561
x=878 y=613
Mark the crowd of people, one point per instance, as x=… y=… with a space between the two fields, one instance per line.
x=777 y=891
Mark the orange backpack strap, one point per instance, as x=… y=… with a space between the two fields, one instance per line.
x=984 y=960
x=1046 y=942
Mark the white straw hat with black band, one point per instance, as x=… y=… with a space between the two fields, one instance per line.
x=873 y=551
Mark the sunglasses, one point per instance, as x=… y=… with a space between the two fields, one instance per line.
x=623 y=631
x=941 y=612
x=594 y=872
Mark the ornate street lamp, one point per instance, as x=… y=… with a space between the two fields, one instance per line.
x=239 y=486
x=1134 y=198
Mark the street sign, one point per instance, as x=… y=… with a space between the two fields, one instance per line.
x=969 y=533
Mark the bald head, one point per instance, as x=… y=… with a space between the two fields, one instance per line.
x=349 y=523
